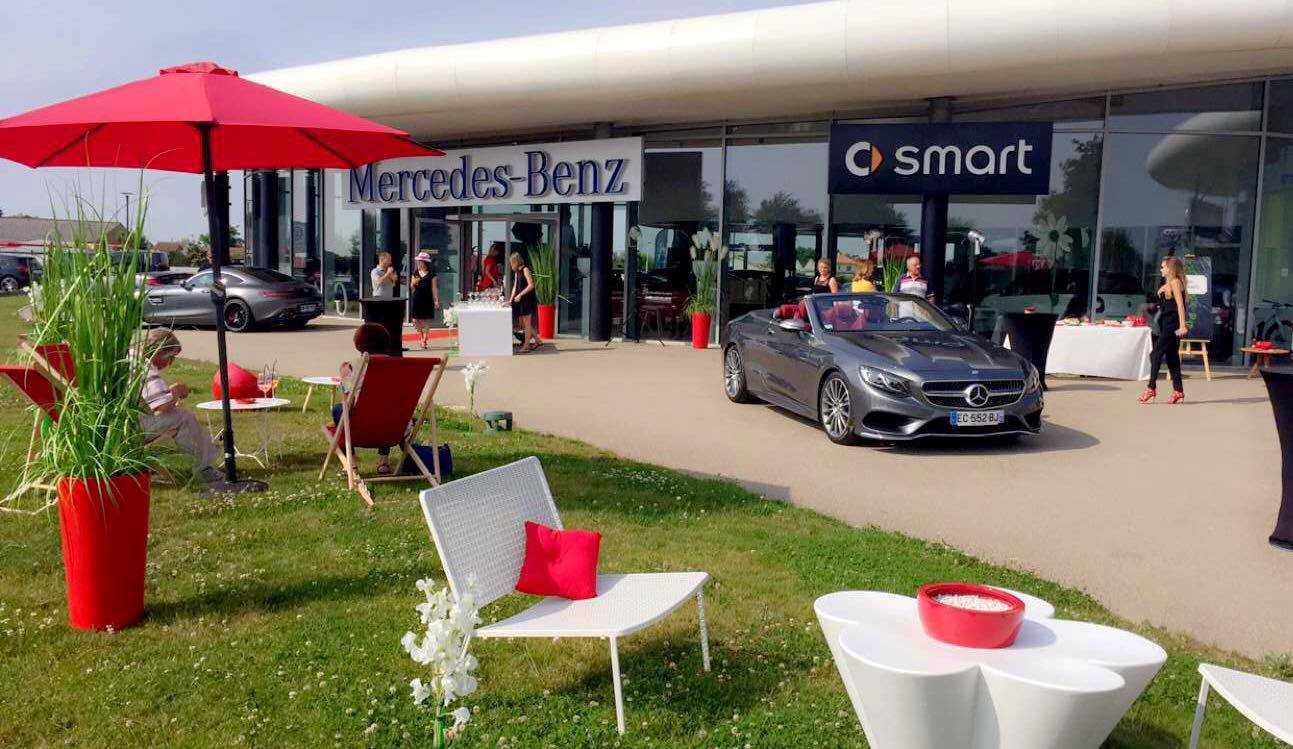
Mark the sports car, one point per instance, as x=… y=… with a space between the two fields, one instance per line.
x=887 y=367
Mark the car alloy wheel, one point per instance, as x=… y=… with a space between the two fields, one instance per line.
x=236 y=317
x=8 y=284
x=734 y=377
x=835 y=410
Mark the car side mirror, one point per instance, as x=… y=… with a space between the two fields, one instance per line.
x=793 y=324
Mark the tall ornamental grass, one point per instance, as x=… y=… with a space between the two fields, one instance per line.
x=89 y=298
x=543 y=266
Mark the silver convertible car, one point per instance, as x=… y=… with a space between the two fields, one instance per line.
x=880 y=366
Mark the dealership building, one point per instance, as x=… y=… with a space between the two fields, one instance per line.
x=1034 y=154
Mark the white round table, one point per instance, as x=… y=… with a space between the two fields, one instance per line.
x=1062 y=685
x=255 y=404
x=332 y=383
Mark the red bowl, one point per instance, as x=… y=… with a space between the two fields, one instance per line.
x=968 y=627
x=1263 y=345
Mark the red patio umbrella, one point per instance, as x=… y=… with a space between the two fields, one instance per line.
x=201 y=118
x=1021 y=259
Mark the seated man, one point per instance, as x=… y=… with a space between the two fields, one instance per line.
x=164 y=415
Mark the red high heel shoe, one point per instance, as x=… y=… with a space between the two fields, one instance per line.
x=1177 y=397
x=1148 y=396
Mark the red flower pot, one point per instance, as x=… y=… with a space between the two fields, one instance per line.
x=700 y=330
x=547 y=321
x=968 y=627
x=105 y=548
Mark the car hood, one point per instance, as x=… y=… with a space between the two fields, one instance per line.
x=944 y=354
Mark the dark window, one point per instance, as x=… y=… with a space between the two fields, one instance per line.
x=1228 y=108
x=267 y=275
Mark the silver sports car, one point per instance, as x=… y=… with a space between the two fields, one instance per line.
x=253 y=296
x=881 y=366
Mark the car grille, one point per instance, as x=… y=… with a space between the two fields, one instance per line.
x=951 y=393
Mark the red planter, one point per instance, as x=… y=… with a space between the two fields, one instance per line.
x=700 y=330
x=968 y=627
x=105 y=548
x=547 y=321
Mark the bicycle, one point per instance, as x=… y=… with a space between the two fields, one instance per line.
x=1270 y=329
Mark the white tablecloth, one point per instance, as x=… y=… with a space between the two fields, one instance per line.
x=1100 y=351
x=484 y=331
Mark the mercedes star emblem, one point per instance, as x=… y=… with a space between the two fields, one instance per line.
x=976 y=395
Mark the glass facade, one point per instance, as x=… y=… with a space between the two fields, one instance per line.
x=1202 y=172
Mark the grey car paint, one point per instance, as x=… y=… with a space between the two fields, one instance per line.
x=266 y=297
x=786 y=366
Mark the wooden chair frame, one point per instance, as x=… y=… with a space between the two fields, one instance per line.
x=423 y=412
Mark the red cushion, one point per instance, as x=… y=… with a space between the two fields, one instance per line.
x=787 y=311
x=559 y=563
x=242 y=384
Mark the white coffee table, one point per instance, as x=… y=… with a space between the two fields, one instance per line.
x=332 y=383
x=256 y=404
x=1062 y=685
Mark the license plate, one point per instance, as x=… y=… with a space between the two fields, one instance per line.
x=309 y=308
x=978 y=418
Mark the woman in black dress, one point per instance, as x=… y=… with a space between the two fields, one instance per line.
x=522 y=301
x=424 y=296
x=1170 y=326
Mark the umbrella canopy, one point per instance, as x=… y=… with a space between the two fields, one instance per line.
x=157 y=123
x=1021 y=259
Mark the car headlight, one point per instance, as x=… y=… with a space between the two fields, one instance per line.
x=1032 y=381
x=886 y=381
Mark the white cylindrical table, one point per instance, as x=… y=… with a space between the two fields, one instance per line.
x=1062 y=685
x=1100 y=351
x=254 y=404
x=332 y=383
x=484 y=330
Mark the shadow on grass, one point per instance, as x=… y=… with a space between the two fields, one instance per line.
x=268 y=598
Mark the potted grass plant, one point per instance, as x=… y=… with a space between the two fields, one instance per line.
x=707 y=253
x=893 y=269
x=543 y=266
x=94 y=451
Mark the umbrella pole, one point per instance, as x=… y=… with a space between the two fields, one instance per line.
x=217 y=225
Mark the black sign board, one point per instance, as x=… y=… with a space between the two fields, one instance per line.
x=969 y=158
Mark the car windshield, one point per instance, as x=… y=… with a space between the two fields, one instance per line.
x=878 y=313
x=267 y=275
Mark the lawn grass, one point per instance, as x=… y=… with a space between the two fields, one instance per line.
x=274 y=619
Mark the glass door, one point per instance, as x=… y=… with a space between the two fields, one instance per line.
x=437 y=236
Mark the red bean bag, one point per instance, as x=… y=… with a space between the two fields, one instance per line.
x=242 y=384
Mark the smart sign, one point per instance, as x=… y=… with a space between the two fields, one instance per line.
x=973 y=158
x=607 y=169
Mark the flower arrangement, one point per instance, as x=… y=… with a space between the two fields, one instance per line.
x=450 y=316
x=471 y=376
x=708 y=251
x=449 y=626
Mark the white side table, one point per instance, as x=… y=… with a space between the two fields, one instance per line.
x=484 y=330
x=1062 y=685
x=255 y=404
x=332 y=383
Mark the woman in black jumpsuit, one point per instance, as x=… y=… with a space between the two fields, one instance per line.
x=1169 y=327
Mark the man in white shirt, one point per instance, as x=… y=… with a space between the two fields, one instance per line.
x=384 y=277
x=164 y=415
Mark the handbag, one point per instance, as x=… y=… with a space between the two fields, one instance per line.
x=426 y=454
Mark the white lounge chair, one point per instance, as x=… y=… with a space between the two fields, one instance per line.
x=478 y=524
x=1268 y=703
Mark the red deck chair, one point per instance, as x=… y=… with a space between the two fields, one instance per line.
x=54 y=360
x=39 y=391
x=390 y=400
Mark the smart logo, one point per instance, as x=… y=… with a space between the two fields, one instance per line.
x=969 y=158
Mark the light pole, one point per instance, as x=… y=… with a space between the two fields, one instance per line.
x=127 y=195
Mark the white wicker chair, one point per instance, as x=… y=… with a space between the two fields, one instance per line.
x=478 y=524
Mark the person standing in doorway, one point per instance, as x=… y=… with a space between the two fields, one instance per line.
x=384 y=276
x=825 y=283
x=1169 y=328
x=424 y=295
x=912 y=282
x=491 y=268
x=522 y=301
x=862 y=282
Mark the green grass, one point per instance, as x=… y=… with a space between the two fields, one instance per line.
x=274 y=619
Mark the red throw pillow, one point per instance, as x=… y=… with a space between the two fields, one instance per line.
x=559 y=563
x=242 y=384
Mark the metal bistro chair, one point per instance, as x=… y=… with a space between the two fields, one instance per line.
x=478 y=524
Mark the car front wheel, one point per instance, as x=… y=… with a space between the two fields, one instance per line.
x=734 y=383
x=237 y=317
x=9 y=284
x=835 y=410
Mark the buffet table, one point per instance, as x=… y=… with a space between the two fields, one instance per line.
x=1100 y=351
x=484 y=329
x=1061 y=685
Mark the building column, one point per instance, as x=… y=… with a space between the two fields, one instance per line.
x=601 y=247
x=264 y=229
x=933 y=217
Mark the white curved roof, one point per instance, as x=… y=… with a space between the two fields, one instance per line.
x=800 y=59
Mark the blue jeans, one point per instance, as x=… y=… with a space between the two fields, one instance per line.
x=336 y=419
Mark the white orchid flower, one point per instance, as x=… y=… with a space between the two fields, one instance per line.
x=420 y=691
x=460 y=717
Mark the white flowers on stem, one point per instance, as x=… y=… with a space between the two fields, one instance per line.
x=471 y=375
x=448 y=627
x=450 y=316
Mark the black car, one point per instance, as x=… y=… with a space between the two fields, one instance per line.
x=17 y=272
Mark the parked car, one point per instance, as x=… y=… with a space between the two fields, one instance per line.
x=147 y=261
x=17 y=272
x=254 y=296
x=880 y=366
x=161 y=278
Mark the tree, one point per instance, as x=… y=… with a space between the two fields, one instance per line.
x=784 y=208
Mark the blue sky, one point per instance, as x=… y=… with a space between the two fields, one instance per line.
x=55 y=50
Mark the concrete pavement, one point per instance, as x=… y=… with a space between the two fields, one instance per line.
x=1160 y=512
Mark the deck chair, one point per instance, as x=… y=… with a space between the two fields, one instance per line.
x=37 y=389
x=392 y=397
x=54 y=360
x=1267 y=703
x=478 y=525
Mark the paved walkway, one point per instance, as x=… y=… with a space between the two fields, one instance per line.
x=1160 y=512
